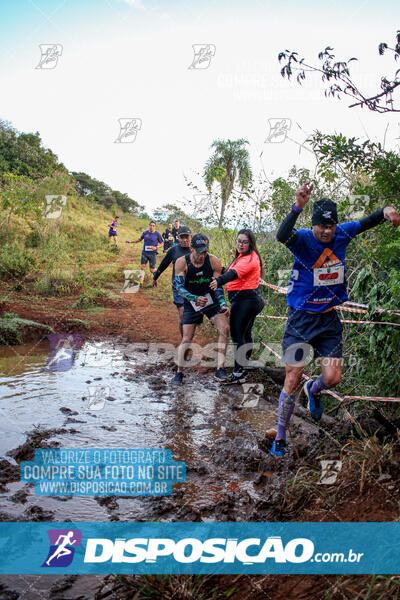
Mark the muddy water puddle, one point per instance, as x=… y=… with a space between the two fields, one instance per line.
x=120 y=396
x=116 y=396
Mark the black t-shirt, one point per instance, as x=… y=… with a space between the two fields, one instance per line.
x=166 y=235
x=197 y=280
x=175 y=233
x=171 y=257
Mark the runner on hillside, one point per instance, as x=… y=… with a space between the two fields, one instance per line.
x=151 y=241
x=168 y=238
x=112 y=231
x=183 y=248
x=243 y=280
x=175 y=231
x=317 y=285
x=193 y=274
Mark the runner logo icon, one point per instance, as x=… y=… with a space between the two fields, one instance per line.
x=61 y=552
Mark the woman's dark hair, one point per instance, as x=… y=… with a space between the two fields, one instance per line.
x=252 y=247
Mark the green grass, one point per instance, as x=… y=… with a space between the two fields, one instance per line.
x=13 y=329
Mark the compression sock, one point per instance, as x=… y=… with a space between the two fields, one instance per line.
x=141 y=276
x=286 y=406
x=318 y=385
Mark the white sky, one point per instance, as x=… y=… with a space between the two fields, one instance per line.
x=131 y=59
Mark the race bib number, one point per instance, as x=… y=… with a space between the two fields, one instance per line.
x=198 y=307
x=329 y=276
x=148 y=249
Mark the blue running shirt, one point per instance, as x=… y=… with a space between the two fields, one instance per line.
x=318 y=278
x=150 y=239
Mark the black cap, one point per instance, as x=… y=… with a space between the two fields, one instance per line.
x=324 y=212
x=199 y=242
x=184 y=230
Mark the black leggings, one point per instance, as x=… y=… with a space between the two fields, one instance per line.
x=245 y=306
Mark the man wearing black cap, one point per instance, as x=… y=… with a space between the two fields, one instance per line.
x=184 y=237
x=317 y=285
x=193 y=274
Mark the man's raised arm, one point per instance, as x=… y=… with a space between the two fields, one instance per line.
x=286 y=233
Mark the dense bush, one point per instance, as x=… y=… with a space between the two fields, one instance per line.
x=16 y=262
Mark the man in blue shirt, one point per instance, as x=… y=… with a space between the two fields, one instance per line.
x=317 y=285
x=151 y=241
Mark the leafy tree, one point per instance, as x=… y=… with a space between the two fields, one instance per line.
x=338 y=73
x=168 y=213
x=229 y=164
x=100 y=192
x=23 y=154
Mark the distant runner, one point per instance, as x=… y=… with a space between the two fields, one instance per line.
x=317 y=285
x=168 y=238
x=183 y=248
x=151 y=241
x=175 y=231
x=193 y=274
x=112 y=231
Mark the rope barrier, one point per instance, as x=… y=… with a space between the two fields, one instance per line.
x=331 y=393
x=282 y=290
x=373 y=398
x=341 y=320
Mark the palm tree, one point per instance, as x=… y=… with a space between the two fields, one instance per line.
x=230 y=162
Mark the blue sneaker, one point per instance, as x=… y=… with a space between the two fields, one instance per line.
x=278 y=447
x=314 y=404
x=178 y=379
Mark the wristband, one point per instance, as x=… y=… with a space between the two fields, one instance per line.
x=296 y=209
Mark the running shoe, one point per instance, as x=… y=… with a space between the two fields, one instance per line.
x=178 y=379
x=236 y=378
x=314 y=404
x=220 y=375
x=278 y=447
